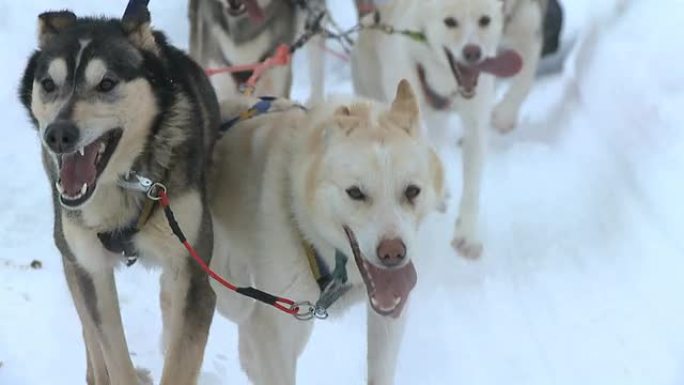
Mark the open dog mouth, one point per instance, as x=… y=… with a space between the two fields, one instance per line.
x=505 y=64
x=388 y=288
x=466 y=76
x=238 y=7
x=78 y=171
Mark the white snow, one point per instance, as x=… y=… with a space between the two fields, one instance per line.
x=581 y=279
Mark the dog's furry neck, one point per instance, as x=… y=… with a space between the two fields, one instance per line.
x=305 y=153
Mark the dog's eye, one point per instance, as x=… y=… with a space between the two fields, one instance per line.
x=106 y=85
x=484 y=21
x=451 y=22
x=48 y=85
x=356 y=194
x=411 y=192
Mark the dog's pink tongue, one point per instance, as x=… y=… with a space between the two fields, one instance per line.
x=254 y=10
x=468 y=77
x=506 y=64
x=389 y=289
x=78 y=169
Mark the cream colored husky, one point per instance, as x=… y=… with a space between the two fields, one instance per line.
x=453 y=67
x=353 y=179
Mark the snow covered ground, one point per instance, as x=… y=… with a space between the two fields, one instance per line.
x=581 y=280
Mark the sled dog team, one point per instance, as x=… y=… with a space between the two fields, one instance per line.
x=320 y=204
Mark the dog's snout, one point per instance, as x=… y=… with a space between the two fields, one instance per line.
x=472 y=53
x=61 y=137
x=391 y=252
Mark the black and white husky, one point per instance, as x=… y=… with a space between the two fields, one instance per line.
x=108 y=97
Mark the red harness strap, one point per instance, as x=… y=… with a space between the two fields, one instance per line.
x=284 y=304
x=281 y=57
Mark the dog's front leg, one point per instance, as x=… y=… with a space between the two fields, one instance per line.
x=96 y=373
x=97 y=304
x=474 y=115
x=270 y=344
x=188 y=304
x=384 y=340
x=523 y=34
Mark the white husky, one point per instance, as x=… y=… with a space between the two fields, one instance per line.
x=452 y=59
x=350 y=179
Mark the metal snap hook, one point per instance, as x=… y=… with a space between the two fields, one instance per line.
x=320 y=312
x=155 y=191
x=305 y=310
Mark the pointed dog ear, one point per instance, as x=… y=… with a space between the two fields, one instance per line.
x=405 y=111
x=50 y=24
x=136 y=25
x=345 y=120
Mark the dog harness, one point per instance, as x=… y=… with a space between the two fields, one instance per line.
x=120 y=240
x=333 y=284
x=263 y=106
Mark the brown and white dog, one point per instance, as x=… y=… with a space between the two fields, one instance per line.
x=107 y=97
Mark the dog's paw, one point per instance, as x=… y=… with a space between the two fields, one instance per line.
x=504 y=119
x=467 y=248
x=466 y=243
x=144 y=376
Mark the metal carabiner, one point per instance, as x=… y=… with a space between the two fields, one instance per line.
x=320 y=312
x=136 y=182
x=132 y=181
x=155 y=190
x=306 y=311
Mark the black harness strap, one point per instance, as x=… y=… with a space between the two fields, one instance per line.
x=120 y=241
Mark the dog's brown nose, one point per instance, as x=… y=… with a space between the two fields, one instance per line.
x=472 y=53
x=391 y=251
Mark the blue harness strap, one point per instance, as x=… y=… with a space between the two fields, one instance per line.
x=261 y=107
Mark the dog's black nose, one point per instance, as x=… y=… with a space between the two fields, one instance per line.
x=61 y=137
x=472 y=53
